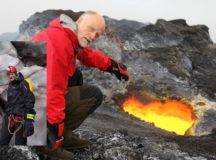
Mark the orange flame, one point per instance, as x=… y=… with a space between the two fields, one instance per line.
x=171 y=115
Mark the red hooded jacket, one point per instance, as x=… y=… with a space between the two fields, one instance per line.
x=61 y=51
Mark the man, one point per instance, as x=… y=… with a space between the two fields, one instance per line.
x=19 y=110
x=67 y=41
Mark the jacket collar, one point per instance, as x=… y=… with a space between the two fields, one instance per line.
x=65 y=23
x=68 y=22
x=18 y=79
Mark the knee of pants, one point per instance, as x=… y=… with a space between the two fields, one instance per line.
x=99 y=99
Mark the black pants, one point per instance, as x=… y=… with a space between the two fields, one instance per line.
x=81 y=100
x=5 y=136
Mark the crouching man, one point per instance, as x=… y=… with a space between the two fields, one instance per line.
x=19 y=110
x=69 y=101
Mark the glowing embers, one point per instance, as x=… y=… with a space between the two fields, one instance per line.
x=171 y=115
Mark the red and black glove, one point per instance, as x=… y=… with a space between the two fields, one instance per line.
x=55 y=135
x=119 y=69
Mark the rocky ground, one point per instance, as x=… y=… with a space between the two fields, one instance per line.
x=168 y=59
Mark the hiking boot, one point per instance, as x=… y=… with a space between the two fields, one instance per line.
x=72 y=141
x=58 y=154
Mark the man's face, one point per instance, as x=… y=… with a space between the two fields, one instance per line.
x=89 y=28
x=12 y=76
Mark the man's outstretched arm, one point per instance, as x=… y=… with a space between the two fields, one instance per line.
x=95 y=58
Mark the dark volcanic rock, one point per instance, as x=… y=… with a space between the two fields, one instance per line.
x=121 y=146
x=207 y=124
x=204 y=70
x=17 y=153
x=167 y=33
x=30 y=53
x=124 y=28
x=39 y=21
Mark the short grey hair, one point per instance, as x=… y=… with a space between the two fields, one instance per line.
x=89 y=12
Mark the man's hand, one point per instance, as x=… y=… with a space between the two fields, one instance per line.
x=119 y=69
x=54 y=135
x=29 y=125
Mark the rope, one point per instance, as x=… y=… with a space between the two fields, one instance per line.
x=18 y=128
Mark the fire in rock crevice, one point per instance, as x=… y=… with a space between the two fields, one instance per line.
x=171 y=115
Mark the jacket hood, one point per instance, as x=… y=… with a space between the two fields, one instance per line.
x=55 y=23
x=19 y=78
x=66 y=24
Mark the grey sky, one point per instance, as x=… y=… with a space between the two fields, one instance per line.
x=12 y=12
